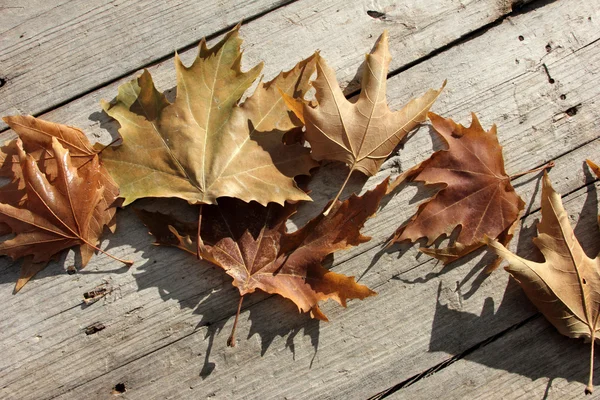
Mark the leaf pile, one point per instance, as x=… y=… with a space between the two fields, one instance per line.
x=235 y=158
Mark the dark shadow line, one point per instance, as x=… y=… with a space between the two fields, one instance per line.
x=440 y=366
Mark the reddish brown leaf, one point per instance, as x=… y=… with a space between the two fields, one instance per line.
x=477 y=195
x=55 y=215
x=251 y=244
x=36 y=135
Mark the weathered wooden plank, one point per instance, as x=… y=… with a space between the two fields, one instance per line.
x=54 y=51
x=533 y=362
x=406 y=329
x=125 y=38
x=163 y=324
x=362 y=352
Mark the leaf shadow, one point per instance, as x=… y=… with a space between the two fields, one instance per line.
x=207 y=291
x=588 y=217
x=536 y=348
x=539 y=350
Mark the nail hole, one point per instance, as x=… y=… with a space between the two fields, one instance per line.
x=2 y=82
x=551 y=80
x=376 y=14
x=571 y=111
x=119 y=389
x=584 y=281
x=94 y=328
x=521 y=38
x=563 y=96
x=548 y=48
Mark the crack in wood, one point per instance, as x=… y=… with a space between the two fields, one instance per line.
x=446 y=363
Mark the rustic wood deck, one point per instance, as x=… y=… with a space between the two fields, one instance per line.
x=432 y=332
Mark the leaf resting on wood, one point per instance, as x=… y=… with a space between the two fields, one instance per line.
x=204 y=145
x=477 y=195
x=251 y=244
x=566 y=287
x=36 y=136
x=364 y=133
x=56 y=215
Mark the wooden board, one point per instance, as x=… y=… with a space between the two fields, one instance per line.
x=163 y=320
x=343 y=32
x=55 y=51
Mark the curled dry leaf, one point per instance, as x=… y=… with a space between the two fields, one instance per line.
x=361 y=134
x=56 y=214
x=36 y=136
x=566 y=287
x=477 y=195
x=204 y=145
x=251 y=244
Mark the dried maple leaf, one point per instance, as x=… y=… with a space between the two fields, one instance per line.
x=36 y=136
x=477 y=195
x=204 y=145
x=56 y=215
x=251 y=244
x=566 y=287
x=361 y=134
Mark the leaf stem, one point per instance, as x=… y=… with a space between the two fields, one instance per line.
x=231 y=340
x=126 y=262
x=589 y=389
x=549 y=165
x=337 y=196
x=199 y=243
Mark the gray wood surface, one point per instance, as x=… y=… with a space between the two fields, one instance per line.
x=55 y=51
x=167 y=319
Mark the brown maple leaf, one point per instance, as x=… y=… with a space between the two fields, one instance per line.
x=204 y=146
x=477 y=195
x=36 y=136
x=566 y=287
x=251 y=244
x=361 y=134
x=55 y=215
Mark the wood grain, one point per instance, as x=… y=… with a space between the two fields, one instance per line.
x=163 y=320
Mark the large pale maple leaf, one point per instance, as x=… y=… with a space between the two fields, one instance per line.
x=477 y=195
x=204 y=145
x=362 y=134
x=251 y=244
x=56 y=214
x=566 y=286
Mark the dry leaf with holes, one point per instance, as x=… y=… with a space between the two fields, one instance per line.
x=477 y=195
x=364 y=133
x=251 y=244
x=204 y=145
x=566 y=287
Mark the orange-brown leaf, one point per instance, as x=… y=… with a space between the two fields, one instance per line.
x=477 y=195
x=36 y=136
x=56 y=214
x=251 y=244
